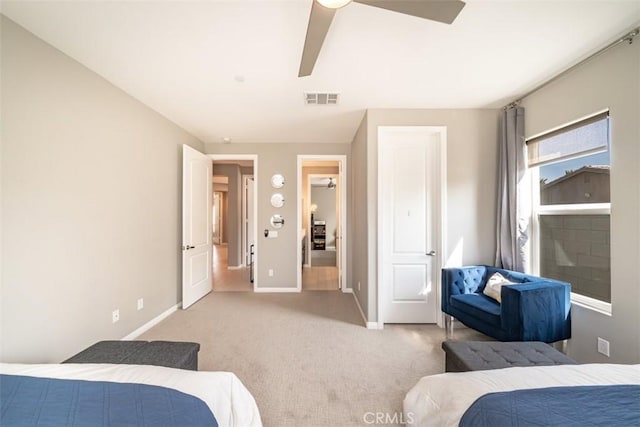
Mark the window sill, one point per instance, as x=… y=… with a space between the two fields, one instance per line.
x=591 y=304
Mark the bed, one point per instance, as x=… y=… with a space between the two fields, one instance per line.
x=444 y=399
x=101 y=388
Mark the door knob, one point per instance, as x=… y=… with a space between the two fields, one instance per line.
x=186 y=248
x=431 y=253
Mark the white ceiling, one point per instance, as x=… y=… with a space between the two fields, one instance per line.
x=184 y=59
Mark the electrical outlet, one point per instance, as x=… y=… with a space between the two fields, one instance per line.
x=603 y=346
x=115 y=316
x=358 y=286
x=270 y=272
x=140 y=303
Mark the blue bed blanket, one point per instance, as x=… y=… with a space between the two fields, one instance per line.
x=578 y=406
x=34 y=401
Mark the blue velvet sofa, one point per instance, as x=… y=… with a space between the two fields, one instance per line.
x=534 y=309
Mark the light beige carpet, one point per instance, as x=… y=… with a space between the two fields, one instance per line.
x=307 y=358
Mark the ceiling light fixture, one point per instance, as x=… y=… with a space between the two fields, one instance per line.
x=334 y=4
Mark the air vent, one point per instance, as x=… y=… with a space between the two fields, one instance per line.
x=321 y=98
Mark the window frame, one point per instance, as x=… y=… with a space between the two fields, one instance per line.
x=538 y=210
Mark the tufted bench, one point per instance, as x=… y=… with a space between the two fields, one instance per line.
x=172 y=354
x=463 y=356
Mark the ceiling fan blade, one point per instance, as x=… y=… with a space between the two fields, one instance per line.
x=444 y=11
x=319 y=23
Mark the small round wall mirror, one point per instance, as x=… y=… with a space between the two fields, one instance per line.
x=277 y=221
x=277 y=200
x=277 y=181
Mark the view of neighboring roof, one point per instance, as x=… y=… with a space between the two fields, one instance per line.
x=602 y=169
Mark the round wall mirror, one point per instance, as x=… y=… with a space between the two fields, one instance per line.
x=277 y=221
x=277 y=200
x=277 y=181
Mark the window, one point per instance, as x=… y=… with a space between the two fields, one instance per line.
x=570 y=170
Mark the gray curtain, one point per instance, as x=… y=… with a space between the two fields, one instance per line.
x=512 y=228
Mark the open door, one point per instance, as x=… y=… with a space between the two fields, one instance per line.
x=197 y=186
x=248 y=218
x=339 y=214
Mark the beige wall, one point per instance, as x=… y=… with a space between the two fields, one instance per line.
x=612 y=81
x=357 y=258
x=91 y=205
x=278 y=254
x=470 y=186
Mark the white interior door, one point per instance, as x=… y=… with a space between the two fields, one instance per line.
x=339 y=229
x=197 y=186
x=408 y=169
x=248 y=218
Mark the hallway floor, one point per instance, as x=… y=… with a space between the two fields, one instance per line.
x=320 y=279
x=237 y=280
x=225 y=280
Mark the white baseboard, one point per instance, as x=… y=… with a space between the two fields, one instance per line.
x=151 y=323
x=347 y=290
x=369 y=325
x=266 y=290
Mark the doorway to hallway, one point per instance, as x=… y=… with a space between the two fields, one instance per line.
x=322 y=222
x=234 y=254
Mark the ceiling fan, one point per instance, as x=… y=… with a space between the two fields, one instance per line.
x=322 y=12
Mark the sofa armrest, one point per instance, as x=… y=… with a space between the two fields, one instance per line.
x=537 y=310
x=461 y=280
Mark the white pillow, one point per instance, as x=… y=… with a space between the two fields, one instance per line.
x=494 y=286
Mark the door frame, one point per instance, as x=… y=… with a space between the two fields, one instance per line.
x=308 y=203
x=254 y=158
x=245 y=249
x=385 y=136
x=342 y=206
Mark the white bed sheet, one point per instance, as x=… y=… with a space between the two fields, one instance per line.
x=226 y=396
x=441 y=400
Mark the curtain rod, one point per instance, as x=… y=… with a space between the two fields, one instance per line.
x=626 y=38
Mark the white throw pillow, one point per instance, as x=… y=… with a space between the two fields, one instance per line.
x=494 y=286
